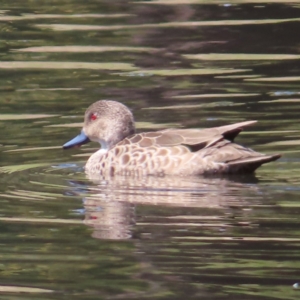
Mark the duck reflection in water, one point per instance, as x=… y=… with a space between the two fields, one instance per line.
x=110 y=204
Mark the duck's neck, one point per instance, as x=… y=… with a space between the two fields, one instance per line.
x=104 y=146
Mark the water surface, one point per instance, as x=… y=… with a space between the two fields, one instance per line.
x=175 y=64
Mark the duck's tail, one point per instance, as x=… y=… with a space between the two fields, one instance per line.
x=249 y=165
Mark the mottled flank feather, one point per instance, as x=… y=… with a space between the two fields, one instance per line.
x=167 y=152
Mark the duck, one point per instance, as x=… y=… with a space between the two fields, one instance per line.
x=182 y=152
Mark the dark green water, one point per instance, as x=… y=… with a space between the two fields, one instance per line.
x=176 y=64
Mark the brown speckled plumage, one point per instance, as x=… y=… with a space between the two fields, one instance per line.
x=166 y=152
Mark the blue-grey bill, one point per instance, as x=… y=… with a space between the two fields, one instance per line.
x=77 y=141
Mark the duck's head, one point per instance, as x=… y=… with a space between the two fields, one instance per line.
x=106 y=122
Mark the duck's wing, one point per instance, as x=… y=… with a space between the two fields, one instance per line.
x=194 y=136
x=195 y=139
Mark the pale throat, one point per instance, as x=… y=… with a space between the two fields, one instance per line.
x=104 y=147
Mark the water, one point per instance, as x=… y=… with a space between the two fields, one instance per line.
x=176 y=64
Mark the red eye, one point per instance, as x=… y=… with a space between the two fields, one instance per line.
x=93 y=117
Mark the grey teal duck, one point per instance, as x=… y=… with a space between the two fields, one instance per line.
x=165 y=152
